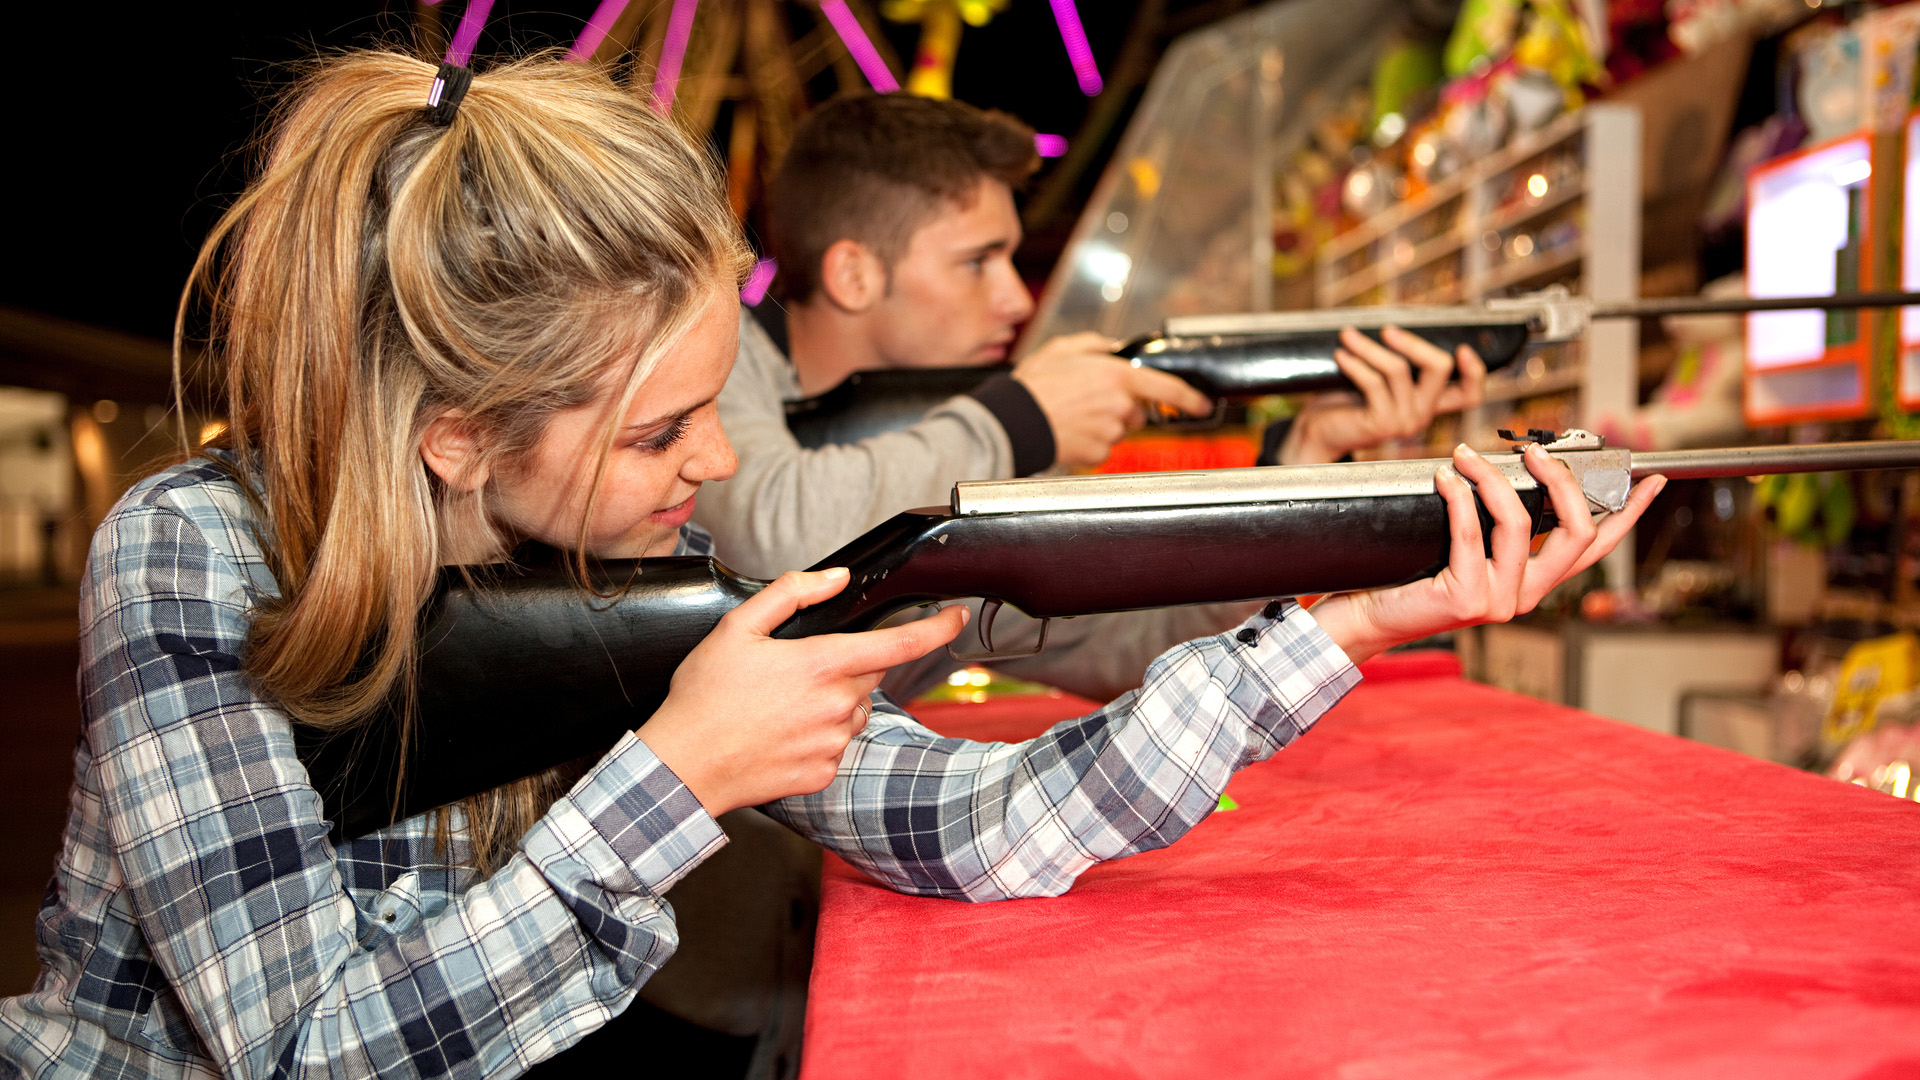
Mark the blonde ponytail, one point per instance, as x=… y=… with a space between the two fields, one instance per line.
x=380 y=270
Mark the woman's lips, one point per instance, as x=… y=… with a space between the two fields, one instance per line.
x=675 y=516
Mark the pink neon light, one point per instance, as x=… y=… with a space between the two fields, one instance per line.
x=1049 y=145
x=855 y=39
x=1075 y=39
x=667 y=78
x=465 y=38
x=755 y=290
x=595 y=32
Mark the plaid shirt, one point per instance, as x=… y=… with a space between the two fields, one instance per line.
x=200 y=923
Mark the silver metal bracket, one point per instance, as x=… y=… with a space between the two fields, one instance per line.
x=1556 y=314
x=983 y=629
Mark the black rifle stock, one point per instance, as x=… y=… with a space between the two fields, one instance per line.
x=528 y=671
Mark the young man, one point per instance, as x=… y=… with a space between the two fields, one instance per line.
x=893 y=221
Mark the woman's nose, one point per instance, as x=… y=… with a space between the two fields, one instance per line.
x=713 y=457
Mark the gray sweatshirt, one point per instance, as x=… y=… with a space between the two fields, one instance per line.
x=788 y=507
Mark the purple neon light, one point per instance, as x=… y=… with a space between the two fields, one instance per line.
x=1075 y=39
x=595 y=32
x=1049 y=145
x=465 y=38
x=666 y=78
x=855 y=39
x=755 y=290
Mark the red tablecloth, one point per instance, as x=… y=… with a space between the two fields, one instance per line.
x=1441 y=880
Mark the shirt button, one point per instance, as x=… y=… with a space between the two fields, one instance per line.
x=1273 y=609
x=390 y=916
x=1248 y=636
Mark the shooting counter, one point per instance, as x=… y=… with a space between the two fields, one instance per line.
x=1441 y=880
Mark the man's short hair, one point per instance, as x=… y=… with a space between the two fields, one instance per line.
x=874 y=168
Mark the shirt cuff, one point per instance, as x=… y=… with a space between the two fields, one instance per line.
x=629 y=825
x=1028 y=431
x=1303 y=672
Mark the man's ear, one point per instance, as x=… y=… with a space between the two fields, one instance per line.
x=451 y=448
x=853 y=276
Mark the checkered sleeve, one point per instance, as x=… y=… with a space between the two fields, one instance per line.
x=986 y=821
x=232 y=886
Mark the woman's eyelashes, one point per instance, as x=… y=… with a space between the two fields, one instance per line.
x=667 y=436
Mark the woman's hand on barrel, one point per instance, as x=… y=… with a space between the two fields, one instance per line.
x=751 y=718
x=1476 y=587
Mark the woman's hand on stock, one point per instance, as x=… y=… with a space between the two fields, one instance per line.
x=751 y=718
x=1475 y=588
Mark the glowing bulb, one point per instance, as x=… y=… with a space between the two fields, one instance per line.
x=958 y=678
x=1537 y=186
x=980 y=677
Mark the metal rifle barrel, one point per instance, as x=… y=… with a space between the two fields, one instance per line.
x=1691 y=305
x=1762 y=460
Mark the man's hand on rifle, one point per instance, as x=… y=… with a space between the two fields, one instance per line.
x=1400 y=390
x=752 y=718
x=1092 y=398
x=1475 y=588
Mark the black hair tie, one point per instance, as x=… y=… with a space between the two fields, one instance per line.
x=449 y=89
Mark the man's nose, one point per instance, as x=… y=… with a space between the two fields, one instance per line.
x=1013 y=303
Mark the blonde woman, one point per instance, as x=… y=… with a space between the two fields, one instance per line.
x=445 y=332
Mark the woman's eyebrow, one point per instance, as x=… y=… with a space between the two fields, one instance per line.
x=641 y=425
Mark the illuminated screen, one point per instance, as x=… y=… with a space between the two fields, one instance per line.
x=1910 y=268
x=1804 y=226
x=1910 y=234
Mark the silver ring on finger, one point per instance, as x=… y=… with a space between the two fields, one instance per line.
x=866 y=713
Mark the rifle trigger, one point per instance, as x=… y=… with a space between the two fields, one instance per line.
x=989 y=608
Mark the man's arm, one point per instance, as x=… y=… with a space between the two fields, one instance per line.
x=788 y=507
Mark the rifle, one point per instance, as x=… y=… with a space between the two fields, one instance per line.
x=1235 y=357
x=532 y=671
x=1226 y=357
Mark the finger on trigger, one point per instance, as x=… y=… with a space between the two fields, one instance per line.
x=878 y=650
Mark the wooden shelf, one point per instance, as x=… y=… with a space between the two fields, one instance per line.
x=1531 y=268
x=1556 y=381
x=1492 y=165
x=1380 y=273
x=1529 y=209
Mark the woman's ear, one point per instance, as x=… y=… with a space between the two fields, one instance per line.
x=853 y=276
x=451 y=448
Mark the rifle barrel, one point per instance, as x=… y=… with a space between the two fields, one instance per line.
x=1693 y=305
x=1761 y=460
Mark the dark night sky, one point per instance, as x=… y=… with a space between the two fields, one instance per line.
x=127 y=129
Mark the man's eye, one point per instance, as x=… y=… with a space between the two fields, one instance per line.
x=669 y=435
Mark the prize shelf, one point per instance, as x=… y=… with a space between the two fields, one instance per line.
x=1579 y=225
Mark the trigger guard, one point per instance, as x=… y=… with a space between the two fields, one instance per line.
x=985 y=633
